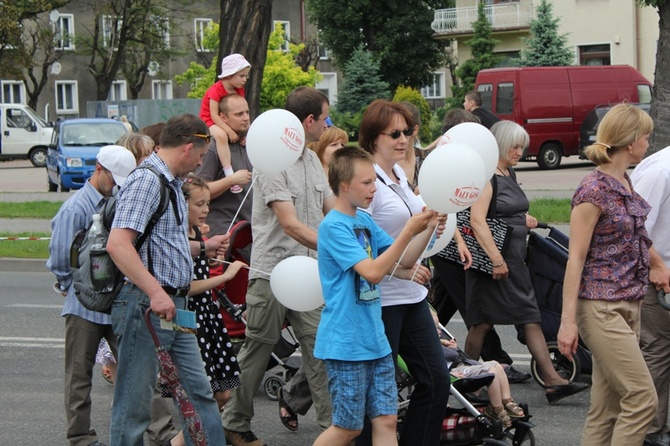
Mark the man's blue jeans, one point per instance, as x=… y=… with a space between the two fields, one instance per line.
x=138 y=367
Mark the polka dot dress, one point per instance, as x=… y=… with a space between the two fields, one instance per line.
x=215 y=346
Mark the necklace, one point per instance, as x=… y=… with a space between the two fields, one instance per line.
x=500 y=170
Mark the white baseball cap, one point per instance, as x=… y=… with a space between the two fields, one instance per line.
x=118 y=160
x=232 y=64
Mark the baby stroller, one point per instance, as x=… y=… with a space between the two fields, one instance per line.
x=546 y=259
x=467 y=425
x=231 y=300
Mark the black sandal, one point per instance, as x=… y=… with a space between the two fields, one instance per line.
x=292 y=417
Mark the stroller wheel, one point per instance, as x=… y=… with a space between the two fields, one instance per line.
x=566 y=368
x=526 y=438
x=271 y=385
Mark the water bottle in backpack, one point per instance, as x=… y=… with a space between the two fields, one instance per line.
x=102 y=269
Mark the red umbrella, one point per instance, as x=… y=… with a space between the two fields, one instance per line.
x=170 y=377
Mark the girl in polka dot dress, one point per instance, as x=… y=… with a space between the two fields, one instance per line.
x=215 y=346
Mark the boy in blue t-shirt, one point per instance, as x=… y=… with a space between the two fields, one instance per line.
x=354 y=256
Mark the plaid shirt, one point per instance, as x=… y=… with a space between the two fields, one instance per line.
x=75 y=214
x=138 y=200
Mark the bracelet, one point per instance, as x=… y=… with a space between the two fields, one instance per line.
x=202 y=249
x=499 y=264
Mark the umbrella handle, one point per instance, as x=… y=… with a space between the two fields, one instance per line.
x=147 y=319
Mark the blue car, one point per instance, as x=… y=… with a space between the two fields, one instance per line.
x=74 y=146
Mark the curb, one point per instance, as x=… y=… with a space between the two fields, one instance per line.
x=11 y=264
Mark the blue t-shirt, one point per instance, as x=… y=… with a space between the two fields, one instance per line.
x=351 y=327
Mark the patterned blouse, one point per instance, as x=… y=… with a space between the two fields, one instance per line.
x=617 y=262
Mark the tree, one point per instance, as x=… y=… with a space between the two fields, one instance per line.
x=247 y=31
x=481 y=46
x=546 y=47
x=33 y=58
x=413 y=96
x=362 y=83
x=397 y=32
x=126 y=35
x=282 y=74
x=660 y=102
x=12 y=15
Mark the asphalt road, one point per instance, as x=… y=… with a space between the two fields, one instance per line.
x=31 y=340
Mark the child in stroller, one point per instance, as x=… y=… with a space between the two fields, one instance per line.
x=501 y=406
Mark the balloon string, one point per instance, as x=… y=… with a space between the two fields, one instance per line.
x=247 y=267
x=398 y=263
x=424 y=251
x=242 y=203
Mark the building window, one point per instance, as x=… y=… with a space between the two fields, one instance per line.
x=162 y=28
x=595 y=55
x=328 y=85
x=13 y=92
x=111 y=29
x=118 y=91
x=161 y=89
x=199 y=33
x=286 y=27
x=435 y=90
x=67 y=98
x=324 y=52
x=63 y=29
x=508 y=59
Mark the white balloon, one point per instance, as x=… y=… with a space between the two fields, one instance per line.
x=451 y=178
x=275 y=140
x=296 y=284
x=438 y=244
x=479 y=138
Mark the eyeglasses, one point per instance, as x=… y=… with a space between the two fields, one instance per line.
x=207 y=138
x=396 y=133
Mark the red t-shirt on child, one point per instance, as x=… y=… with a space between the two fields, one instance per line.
x=215 y=92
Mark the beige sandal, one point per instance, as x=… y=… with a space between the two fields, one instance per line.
x=499 y=413
x=513 y=409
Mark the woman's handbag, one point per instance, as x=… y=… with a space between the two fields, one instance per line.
x=500 y=230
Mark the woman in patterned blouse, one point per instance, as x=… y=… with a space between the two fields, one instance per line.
x=606 y=278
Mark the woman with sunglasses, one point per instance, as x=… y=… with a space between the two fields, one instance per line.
x=384 y=132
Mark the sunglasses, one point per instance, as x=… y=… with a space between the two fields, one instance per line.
x=396 y=133
x=207 y=138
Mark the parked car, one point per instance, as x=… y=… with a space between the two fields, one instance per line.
x=74 y=146
x=23 y=134
x=587 y=134
x=552 y=102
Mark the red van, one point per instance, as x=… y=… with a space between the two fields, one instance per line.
x=551 y=102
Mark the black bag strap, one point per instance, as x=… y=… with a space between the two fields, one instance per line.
x=491 y=213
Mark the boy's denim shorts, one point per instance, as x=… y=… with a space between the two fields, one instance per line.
x=359 y=388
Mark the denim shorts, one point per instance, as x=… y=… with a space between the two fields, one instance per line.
x=359 y=388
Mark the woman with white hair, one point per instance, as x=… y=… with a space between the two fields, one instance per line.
x=506 y=297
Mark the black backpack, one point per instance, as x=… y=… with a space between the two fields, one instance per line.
x=101 y=300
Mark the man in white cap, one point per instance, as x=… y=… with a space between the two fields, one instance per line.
x=83 y=328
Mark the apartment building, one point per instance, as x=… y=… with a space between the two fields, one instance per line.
x=70 y=86
x=600 y=32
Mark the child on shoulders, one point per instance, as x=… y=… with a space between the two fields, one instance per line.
x=234 y=74
x=354 y=256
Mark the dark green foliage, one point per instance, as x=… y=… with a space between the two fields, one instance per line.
x=482 y=46
x=397 y=32
x=546 y=47
x=413 y=96
x=362 y=83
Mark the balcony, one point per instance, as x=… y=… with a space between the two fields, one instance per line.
x=502 y=17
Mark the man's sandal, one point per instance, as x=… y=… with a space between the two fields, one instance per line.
x=289 y=421
x=513 y=409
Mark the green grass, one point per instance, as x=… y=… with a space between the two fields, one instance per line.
x=551 y=210
x=25 y=249
x=29 y=209
x=548 y=210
